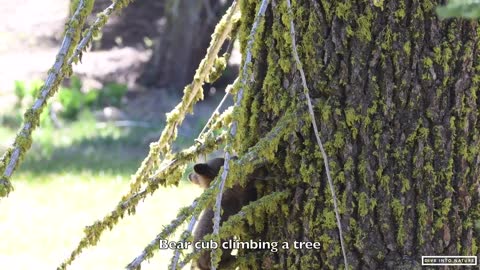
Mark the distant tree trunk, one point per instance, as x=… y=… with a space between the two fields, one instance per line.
x=182 y=42
x=395 y=92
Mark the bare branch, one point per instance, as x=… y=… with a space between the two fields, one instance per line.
x=317 y=136
x=188 y=231
x=216 y=111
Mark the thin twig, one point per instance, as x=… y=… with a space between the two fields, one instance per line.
x=202 y=72
x=55 y=76
x=188 y=231
x=101 y=20
x=135 y=264
x=317 y=136
x=168 y=230
x=233 y=128
x=215 y=112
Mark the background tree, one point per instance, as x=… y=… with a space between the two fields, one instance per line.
x=184 y=35
x=180 y=31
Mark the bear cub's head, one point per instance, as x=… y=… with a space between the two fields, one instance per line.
x=204 y=173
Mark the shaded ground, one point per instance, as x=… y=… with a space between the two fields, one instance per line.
x=140 y=21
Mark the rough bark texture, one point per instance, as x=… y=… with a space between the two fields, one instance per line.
x=396 y=100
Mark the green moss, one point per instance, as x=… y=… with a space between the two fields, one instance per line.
x=443 y=214
x=363 y=204
x=217 y=69
x=398 y=211
x=428 y=5
x=378 y=3
x=343 y=10
x=401 y=11
x=422 y=221
x=339 y=140
x=405 y=183
x=427 y=62
x=407 y=48
x=364 y=23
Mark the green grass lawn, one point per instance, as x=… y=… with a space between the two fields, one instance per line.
x=72 y=177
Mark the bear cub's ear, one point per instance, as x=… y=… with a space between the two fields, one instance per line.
x=209 y=169
x=204 y=170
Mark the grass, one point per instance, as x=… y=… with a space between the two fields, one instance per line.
x=72 y=177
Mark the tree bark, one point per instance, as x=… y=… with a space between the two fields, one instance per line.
x=395 y=92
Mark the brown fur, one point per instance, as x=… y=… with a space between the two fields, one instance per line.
x=232 y=201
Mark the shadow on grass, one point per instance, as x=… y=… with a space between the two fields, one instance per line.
x=106 y=154
x=82 y=146
x=115 y=153
x=88 y=155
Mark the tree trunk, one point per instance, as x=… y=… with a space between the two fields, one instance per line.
x=395 y=97
x=181 y=45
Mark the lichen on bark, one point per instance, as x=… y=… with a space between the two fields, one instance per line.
x=395 y=93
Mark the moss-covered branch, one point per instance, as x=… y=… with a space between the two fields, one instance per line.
x=192 y=93
x=130 y=201
x=61 y=68
x=193 y=210
x=95 y=28
x=264 y=206
x=240 y=169
x=216 y=254
x=170 y=169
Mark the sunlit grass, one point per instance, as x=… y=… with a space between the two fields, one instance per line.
x=43 y=220
x=70 y=178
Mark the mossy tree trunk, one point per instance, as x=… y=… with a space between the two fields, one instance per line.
x=395 y=92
